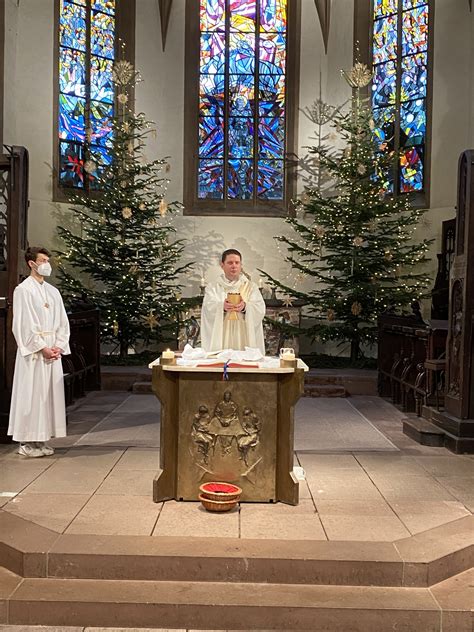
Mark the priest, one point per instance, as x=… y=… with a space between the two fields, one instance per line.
x=232 y=309
x=41 y=330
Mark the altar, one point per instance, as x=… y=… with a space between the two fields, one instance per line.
x=238 y=430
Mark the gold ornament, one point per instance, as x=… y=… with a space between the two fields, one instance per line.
x=358 y=76
x=358 y=241
x=287 y=301
x=319 y=231
x=361 y=169
x=126 y=126
x=133 y=269
x=356 y=308
x=163 y=208
x=150 y=321
x=388 y=255
x=115 y=328
x=127 y=212
x=330 y=315
x=123 y=72
x=142 y=206
x=122 y=98
x=123 y=184
x=339 y=228
x=347 y=152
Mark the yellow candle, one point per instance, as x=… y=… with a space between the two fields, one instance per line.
x=167 y=355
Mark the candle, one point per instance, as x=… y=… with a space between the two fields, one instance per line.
x=289 y=354
x=203 y=281
x=167 y=355
x=260 y=284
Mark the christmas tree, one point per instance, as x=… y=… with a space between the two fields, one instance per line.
x=354 y=242
x=120 y=252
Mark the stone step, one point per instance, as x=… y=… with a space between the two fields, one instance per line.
x=151 y=604
x=142 y=388
x=423 y=431
x=324 y=390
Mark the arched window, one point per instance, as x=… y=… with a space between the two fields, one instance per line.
x=87 y=41
x=401 y=61
x=241 y=66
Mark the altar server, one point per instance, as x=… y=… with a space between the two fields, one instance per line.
x=41 y=330
x=232 y=325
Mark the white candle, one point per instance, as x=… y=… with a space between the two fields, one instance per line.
x=288 y=355
x=260 y=284
x=167 y=355
x=203 y=281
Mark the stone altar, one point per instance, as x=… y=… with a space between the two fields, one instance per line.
x=238 y=431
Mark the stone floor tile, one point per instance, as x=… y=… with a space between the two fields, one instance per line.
x=459 y=486
x=422 y=515
x=325 y=462
x=140 y=403
x=363 y=528
x=68 y=479
x=116 y=515
x=121 y=430
x=17 y=475
x=412 y=488
x=354 y=507
x=447 y=465
x=280 y=521
x=390 y=465
x=191 y=519
x=139 y=459
x=342 y=484
x=37 y=628
x=100 y=457
x=53 y=511
x=128 y=483
x=456 y=598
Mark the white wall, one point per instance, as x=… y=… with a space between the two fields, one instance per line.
x=29 y=117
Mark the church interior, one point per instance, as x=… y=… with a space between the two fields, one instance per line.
x=328 y=146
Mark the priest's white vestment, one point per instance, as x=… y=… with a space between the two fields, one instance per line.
x=219 y=330
x=38 y=410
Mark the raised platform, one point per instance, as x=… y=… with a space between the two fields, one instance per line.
x=318 y=382
x=419 y=583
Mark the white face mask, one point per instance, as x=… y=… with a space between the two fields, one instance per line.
x=44 y=269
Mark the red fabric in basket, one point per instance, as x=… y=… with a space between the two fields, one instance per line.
x=222 y=488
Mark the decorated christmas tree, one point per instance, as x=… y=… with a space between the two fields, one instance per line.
x=354 y=245
x=120 y=252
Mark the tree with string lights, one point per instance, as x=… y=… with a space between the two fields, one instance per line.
x=354 y=240
x=120 y=252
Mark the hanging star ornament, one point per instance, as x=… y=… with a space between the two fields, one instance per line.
x=150 y=321
x=358 y=76
x=287 y=301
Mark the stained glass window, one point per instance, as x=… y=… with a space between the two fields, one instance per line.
x=86 y=95
x=399 y=88
x=243 y=111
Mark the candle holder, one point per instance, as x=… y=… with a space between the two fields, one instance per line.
x=288 y=364
x=168 y=361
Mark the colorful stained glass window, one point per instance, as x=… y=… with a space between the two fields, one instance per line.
x=242 y=100
x=399 y=88
x=86 y=92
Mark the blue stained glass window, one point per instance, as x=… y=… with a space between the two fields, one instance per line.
x=242 y=99
x=86 y=92
x=400 y=76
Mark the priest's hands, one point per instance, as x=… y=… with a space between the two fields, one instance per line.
x=51 y=353
x=230 y=307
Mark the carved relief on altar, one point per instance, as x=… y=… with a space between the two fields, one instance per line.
x=455 y=339
x=229 y=432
